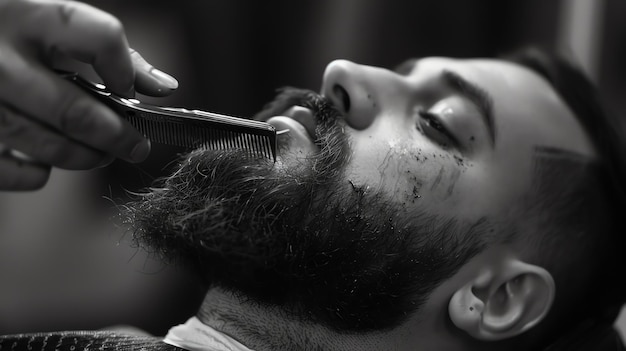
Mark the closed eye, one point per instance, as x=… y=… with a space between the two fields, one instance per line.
x=430 y=125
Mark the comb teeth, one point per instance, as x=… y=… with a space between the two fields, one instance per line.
x=185 y=128
x=193 y=134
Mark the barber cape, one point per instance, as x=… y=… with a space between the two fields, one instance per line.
x=191 y=336
x=195 y=336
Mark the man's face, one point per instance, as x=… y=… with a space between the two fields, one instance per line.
x=457 y=137
x=384 y=187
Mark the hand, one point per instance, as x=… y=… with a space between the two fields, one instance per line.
x=47 y=121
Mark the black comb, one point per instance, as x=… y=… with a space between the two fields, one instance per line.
x=190 y=129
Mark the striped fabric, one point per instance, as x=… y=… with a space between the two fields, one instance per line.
x=82 y=341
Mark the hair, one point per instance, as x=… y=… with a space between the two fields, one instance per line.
x=576 y=201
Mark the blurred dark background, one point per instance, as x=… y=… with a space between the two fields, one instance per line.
x=61 y=266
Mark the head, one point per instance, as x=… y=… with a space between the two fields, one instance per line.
x=446 y=203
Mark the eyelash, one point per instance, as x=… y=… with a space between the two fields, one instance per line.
x=434 y=122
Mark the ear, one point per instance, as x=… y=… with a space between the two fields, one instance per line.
x=504 y=301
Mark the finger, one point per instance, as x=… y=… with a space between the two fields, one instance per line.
x=45 y=145
x=18 y=174
x=85 y=33
x=67 y=109
x=149 y=80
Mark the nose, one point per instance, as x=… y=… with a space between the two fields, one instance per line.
x=358 y=91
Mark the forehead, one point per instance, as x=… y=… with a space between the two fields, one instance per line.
x=507 y=81
x=501 y=77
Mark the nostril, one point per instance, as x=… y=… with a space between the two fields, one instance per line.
x=341 y=92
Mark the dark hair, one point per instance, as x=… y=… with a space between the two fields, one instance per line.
x=581 y=200
x=582 y=97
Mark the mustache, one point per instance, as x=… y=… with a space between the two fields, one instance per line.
x=323 y=109
x=331 y=138
x=287 y=97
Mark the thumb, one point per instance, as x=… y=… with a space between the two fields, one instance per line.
x=149 y=80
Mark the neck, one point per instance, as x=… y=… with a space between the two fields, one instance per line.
x=262 y=327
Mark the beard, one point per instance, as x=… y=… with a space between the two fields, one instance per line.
x=304 y=238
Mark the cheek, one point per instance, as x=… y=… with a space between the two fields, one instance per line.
x=407 y=171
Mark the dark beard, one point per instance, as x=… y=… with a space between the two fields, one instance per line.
x=305 y=239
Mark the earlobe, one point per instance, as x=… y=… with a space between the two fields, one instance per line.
x=503 y=302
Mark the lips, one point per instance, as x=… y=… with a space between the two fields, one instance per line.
x=304 y=117
x=297 y=124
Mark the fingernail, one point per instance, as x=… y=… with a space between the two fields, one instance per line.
x=140 y=151
x=164 y=78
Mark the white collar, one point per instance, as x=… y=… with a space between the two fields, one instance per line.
x=197 y=336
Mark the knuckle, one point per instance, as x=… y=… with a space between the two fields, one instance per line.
x=65 y=11
x=74 y=115
x=67 y=154
x=111 y=30
x=89 y=122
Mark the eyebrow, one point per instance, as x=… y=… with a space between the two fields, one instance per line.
x=477 y=95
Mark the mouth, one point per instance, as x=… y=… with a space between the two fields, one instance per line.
x=298 y=123
x=307 y=124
